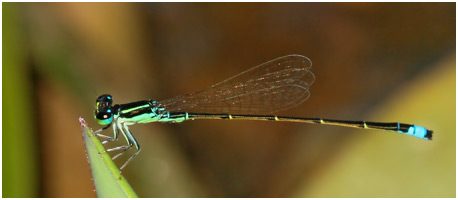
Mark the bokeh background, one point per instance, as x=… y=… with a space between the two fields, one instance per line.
x=372 y=61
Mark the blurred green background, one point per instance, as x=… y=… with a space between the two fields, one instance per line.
x=372 y=61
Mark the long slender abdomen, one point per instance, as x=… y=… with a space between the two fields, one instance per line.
x=408 y=129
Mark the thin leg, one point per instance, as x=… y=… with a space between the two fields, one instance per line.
x=130 y=159
x=104 y=136
x=109 y=139
x=115 y=134
x=122 y=152
x=100 y=130
x=125 y=129
x=115 y=129
x=124 y=147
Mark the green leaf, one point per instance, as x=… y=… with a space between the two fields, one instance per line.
x=107 y=178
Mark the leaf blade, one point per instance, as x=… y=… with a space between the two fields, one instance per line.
x=107 y=179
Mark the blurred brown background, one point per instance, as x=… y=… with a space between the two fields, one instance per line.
x=372 y=61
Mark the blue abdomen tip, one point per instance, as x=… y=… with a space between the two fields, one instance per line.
x=420 y=132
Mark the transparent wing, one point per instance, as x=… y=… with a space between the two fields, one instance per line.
x=276 y=85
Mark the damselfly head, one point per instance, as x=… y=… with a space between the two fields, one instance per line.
x=104 y=111
x=105 y=99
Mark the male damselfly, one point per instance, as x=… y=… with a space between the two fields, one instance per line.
x=255 y=94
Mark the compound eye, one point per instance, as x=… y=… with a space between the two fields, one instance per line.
x=104 y=118
x=105 y=100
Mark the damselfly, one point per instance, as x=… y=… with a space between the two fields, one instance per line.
x=255 y=94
